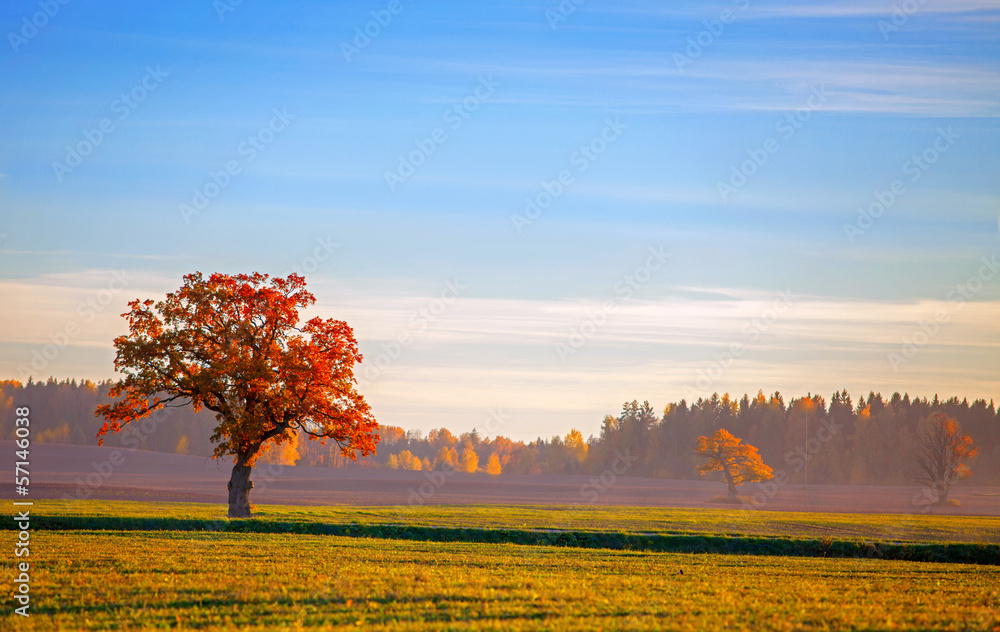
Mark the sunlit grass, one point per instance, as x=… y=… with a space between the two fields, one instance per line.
x=113 y=580
x=708 y=520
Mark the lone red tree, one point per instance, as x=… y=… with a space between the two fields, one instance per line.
x=941 y=454
x=233 y=344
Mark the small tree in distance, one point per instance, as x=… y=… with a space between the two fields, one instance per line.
x=469 y=461
x=447 y=459
x=739 y=462
x=493 y=467
x=942 y=451
x=234 y=345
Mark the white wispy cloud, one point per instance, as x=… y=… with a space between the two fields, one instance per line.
x=864 y=9
x=764 y=10
x=469 y=354
x=863 y=81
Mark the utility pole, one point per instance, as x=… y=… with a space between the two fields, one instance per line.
x=805 y=460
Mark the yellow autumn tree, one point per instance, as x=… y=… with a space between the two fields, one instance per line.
x=447 y=459
x=493 y=465
x=739 y=462
x=54 y=435
x=284 y=451
x=576 y=445
x=470 y=460
x=407 y=461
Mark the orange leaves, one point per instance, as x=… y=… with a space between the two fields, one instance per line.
x=942 y=451
x=740 y=462
x=806 y=405
x=234 y=345
x=718 y=448
x=960 y=445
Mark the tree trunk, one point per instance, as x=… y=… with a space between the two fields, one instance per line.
x=942 y=490
x=729 y=481
x=239 y=490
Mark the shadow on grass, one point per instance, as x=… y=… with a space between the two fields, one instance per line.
x=963 y=553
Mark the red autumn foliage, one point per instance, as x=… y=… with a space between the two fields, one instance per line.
x=234 y=345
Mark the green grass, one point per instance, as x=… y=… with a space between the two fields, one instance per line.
x=125 y=565
x=865 y=527
x=112 y=580
x=955 y=552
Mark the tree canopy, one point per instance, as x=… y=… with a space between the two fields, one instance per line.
x=942 y=451
x=234 y=345
x=739 y=462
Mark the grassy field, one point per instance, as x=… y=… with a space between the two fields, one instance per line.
x=110 y=580
x=874 y=527
x=135 y=579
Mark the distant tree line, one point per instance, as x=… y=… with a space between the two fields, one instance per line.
x=871 y=441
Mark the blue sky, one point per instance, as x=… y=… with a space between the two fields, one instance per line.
x=642 y=108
